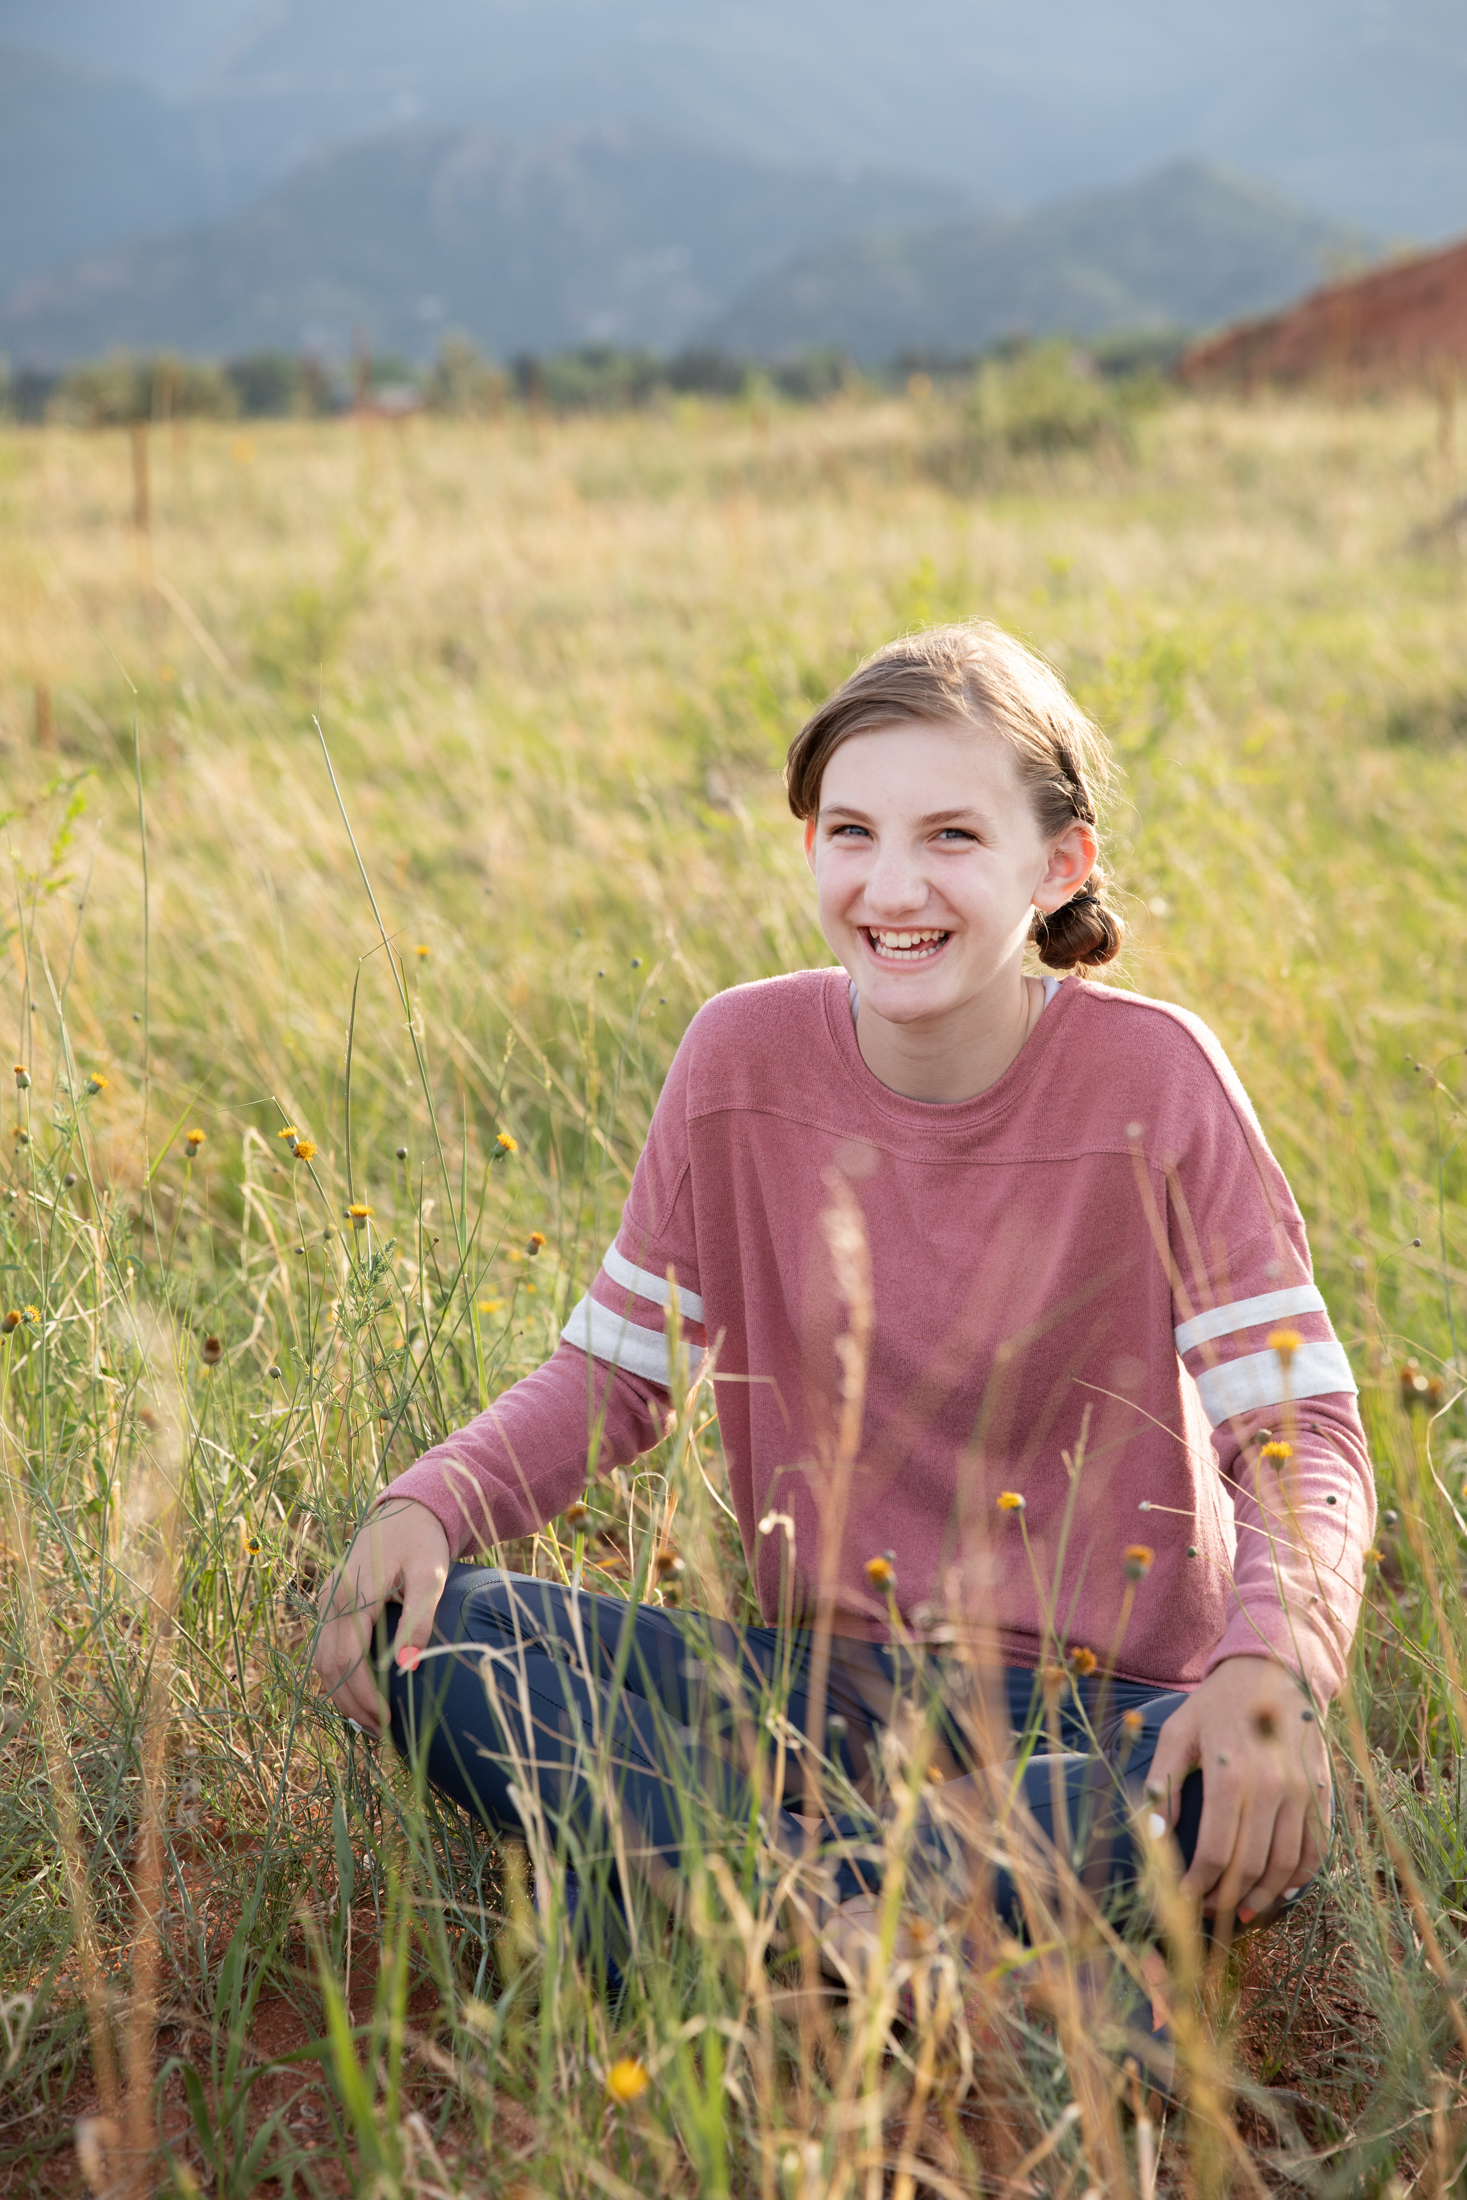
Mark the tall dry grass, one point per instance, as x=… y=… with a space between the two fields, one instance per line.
x=556 y=666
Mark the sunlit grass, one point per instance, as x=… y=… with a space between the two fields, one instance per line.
x=556 y=666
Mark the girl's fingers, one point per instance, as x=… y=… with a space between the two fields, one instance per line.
x=1217 y=1839
x=1285 y=1866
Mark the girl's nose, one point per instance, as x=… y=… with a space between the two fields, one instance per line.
x=895 y=885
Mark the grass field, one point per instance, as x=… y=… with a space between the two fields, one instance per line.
x=556 y=665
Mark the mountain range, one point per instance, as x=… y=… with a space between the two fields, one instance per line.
x=1186 y=247
x=1352 y=106
x=248 y=149
x=629 y=238
x=610 y=236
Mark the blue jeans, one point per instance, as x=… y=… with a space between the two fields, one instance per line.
x=559 y=1700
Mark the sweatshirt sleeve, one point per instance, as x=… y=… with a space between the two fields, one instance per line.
x=1253 y=1332
x=605 y=1395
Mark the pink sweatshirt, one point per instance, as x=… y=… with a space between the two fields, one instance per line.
x=1074 y=1278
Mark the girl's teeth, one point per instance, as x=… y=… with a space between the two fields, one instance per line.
x=906 y=942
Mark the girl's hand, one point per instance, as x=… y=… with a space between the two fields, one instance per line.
x=1265 y=1786
x=400 y=1553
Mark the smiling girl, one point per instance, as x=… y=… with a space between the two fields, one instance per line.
x=1105 y=1417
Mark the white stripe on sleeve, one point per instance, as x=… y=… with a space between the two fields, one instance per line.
x=1222 y=1321
x=1261 y=1379
x=650 y=1286
x=595 y=1329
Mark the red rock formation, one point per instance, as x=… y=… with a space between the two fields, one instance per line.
x=1406 y=321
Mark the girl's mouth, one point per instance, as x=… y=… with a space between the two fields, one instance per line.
x=903 y=947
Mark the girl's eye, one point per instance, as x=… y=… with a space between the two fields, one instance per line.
x=955 y=832
x=858 y=832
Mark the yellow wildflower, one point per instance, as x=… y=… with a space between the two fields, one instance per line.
x=627 y=2079
x=1082 y=1662
x=536 y=1244
x=491 y=1306
x=358 y=1213
x=96 y=1082
x=1140 y=1558
x=577 y=1513
x=881 y=1570
x=32 y=1313
x=1009 y=1501
x=22 y=1077
x=9 y=1321
x=1285 y=1342
x=194 y=1140
x=304 y=1148
x=505 y=1143
x=1276 y=1450
x=289 y=1131
x=1132 y=1721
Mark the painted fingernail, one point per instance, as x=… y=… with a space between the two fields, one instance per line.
x=1156 y=1825
x=1291 y=1892
x=407 y=1658
x=1246 y=1917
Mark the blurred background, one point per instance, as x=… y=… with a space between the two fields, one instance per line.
x=734 y=182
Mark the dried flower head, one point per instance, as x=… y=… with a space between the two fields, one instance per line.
x=9 y=1322
x=1010 y=1501
x=627 y=2080
x=1285 y=1342
x=211 y=1351
x=577 y=1514
x=22 y=1078
x=304 y=1149
x=1082 y=1662
x=1053 y=1678
x=1140 y=1558
x=21 y=1135
x=536 y=1244
x=881 y=1570
x=667 y=1561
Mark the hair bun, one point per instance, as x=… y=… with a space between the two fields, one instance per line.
x=1081 y=934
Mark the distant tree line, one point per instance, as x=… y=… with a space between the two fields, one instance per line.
x=463 y=381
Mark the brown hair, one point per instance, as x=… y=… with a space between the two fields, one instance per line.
x=975 y=671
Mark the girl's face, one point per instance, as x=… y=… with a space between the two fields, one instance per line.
x=929 y=865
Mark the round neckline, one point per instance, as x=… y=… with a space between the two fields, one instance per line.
x=939 y=1114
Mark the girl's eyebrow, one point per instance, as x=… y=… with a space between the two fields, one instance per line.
x=933 y=817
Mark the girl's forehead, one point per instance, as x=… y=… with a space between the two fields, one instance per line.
x=910 y=758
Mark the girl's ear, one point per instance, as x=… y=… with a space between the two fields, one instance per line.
x=810 y=842
x=1072 y=858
